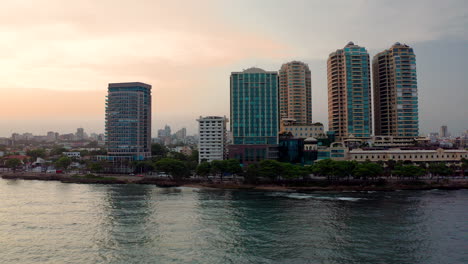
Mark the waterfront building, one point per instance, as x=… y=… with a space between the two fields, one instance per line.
x=128 y=121
x=295 y=93
x=254 y=115
x=349 y=92
x=212 y=142
x=395 y=92
x=301 y=130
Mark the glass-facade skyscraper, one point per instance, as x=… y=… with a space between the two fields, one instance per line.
x=395 y=92
x=254 y=107
x=349 y=92
x=128 y=121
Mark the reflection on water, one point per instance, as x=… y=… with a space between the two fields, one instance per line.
x=52 y=222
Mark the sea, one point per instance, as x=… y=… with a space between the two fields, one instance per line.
x=53 y=222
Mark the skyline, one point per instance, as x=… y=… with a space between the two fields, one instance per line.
x=60 y=82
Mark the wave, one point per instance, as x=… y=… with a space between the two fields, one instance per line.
x=302 y=196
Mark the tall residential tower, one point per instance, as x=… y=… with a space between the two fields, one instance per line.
x=295 y=94
x=128 y=121
x=349 y=92
x=395 y=92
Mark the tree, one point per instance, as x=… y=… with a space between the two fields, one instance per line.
x=252 y=172
x=409 y=171
x=291 y=171
x=324 y=167
x=194 y=155
x=176 y=168
x=57 y=151
x=63 y=162
x=270 y=169
x=143 y=166
x=218 y=167
x=96 y=167
x=440 y=169
x=36 y=153
x=342 y=169
x=203 y=169
x=13 y=163
x=233 y=166
x=367 y=169
x=158 y=150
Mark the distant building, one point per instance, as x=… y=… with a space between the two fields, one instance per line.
x=299 y=130
x=349 y=92
x=181 y=134
x=212 y=143
x=254 y=115
x=128 y=121
x=72 y=154
x=443 y=132
x=295 y=93
x=395 y=92
x=80 y=135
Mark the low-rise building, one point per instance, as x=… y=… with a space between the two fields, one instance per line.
x=212 y=144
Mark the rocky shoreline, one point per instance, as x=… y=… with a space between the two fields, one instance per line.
x=337 y=187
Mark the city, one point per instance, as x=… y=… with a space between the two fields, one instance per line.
x=271 y=119
x=248 y=131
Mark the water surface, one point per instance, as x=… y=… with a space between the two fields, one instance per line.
x=52 y=222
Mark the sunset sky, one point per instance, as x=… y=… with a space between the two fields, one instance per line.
x=57 y=57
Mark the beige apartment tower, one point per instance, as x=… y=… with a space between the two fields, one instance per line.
x=295 y=94
x=349 y=92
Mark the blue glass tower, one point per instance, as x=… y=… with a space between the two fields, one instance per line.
x=396 y=92
x=254 y=107
x=349 y=92
x=128 y=121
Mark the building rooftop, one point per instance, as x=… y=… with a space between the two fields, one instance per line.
x=129 y=84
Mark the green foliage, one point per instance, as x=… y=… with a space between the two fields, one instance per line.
x=96 y=167
x=158 y=150
x=408 y=171
x=36 y=153
x=218 y=167
x=291 y=171
x=13 y=163
x=194 y=155
x=440 y=169
x=367 y=170
x=143 y=166
x=203 y=169
x=270 y=169
x=252 y=172
x=176 y=168
x=63 y=162
x=57 y=151
x=178 y=156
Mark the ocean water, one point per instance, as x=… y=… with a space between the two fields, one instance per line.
x=52 y=222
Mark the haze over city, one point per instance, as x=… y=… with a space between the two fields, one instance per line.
x=58 y=57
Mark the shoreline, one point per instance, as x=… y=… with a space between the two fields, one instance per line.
x=445 y=184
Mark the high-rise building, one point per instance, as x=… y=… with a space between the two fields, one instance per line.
x=212 y=143
x=395 y=92
x=181 y=134
x=128 y=121
x=443 y=132
x=349 y=92
x=80 y=135
x=254 y=115
x=295 y=94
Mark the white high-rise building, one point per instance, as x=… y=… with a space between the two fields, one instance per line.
x=212 y=144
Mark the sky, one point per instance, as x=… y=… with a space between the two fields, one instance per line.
x=57 y=57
